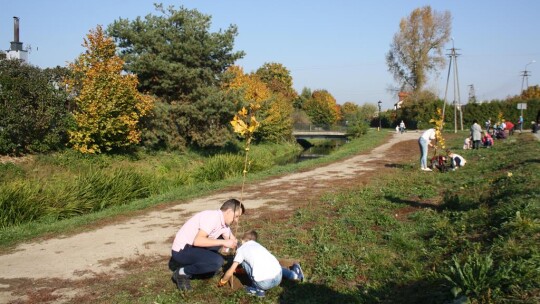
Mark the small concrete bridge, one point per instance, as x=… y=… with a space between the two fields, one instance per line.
x=299 y=134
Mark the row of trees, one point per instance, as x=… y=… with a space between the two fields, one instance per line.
x=166 y=82
x=162 y=82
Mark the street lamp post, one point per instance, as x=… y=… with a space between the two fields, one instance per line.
x=379 y=103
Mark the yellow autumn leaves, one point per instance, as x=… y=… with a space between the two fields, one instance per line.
x=108 y=105
x=439 y=124
x=244 y=123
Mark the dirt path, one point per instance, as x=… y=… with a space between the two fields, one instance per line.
x=104 y=249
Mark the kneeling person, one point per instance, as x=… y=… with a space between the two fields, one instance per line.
x=261 y=266
x=456 y=160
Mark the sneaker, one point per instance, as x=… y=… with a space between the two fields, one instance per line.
x=182 y=281
x=298 y=270
x=426 y=169
x=254 y=291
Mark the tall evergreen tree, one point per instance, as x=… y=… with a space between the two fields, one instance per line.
x=174 y=53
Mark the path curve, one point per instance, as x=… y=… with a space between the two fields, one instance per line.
x=103 y=249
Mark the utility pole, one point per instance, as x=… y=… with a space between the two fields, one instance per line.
x=457 y=103
x=525 y=74
x=379 y=103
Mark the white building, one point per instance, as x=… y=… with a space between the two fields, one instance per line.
x=16 y=51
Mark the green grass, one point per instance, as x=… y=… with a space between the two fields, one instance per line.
x=407 y=237
x=60 y=192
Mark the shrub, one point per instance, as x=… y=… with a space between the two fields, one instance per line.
x=33 y=115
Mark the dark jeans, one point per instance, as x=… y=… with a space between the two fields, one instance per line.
x=476 y=144
x=198 y=260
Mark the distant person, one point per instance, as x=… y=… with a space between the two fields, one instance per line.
x=510 y=127
x=502 y=125
x=262 y=268
x=488 y=124
x=467 y=144
x=195 y=247
x=520 y=123
x=487 y=140
x=402 y=126
x=476 y=134
x=456 y=160
x=424 y=142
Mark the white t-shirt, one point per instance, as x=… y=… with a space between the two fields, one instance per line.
x=264 y=265
x=461 y=159
x=429 y=134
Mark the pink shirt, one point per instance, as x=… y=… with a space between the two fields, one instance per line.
x=209 y=221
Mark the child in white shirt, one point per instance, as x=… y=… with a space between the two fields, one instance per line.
x=456 y=160
x=261 y=266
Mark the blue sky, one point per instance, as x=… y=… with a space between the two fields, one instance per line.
x=335 y=45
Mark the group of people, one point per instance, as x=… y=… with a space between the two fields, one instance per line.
x=456 y=160
x=401 y=127
x=477 y=138
x=486 y=141
x=198 y=247
x=499 y=130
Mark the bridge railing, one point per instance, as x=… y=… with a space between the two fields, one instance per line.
x=318 y=128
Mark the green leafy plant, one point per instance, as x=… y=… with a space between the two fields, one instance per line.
x=475 y=276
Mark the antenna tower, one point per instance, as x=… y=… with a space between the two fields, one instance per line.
x=472 y=95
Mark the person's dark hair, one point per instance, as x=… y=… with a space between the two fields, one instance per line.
x=474 y=121
x=232 y=204
x=251 y=235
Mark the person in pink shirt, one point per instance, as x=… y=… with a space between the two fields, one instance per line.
x=487 y=140
x=195 y=247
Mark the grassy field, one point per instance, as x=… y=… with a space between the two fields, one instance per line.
x=48 y=194
x=466 y=236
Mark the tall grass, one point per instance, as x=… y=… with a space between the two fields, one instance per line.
x=19 y=204
x=67 y=184
x=93 y=190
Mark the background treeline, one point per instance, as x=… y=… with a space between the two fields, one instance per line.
x=418 y=110
x=166 y=82
x=162 y=82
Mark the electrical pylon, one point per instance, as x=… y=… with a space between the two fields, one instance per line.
x=472 y=95
x=457 y=103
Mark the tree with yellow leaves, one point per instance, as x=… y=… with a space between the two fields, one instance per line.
x=272 y=110
x=322 y=108
x=108 y=105
x=438 y=121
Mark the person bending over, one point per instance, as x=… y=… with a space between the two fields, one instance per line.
x=456 y=160
x=195 y=247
